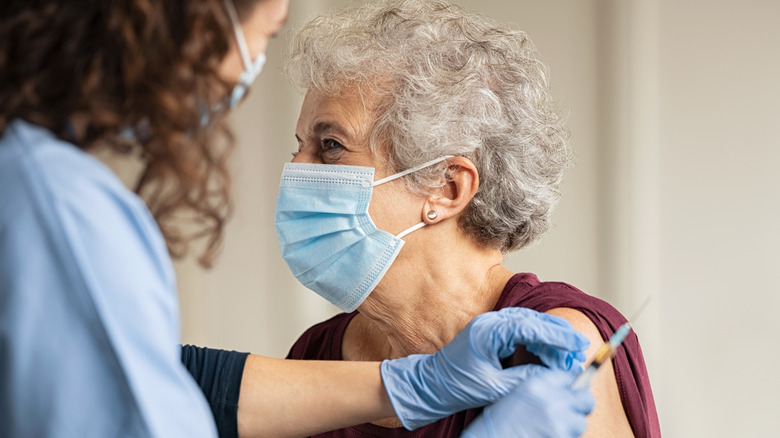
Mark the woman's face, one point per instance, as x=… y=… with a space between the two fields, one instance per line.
x=335 y=130
x=259 y=26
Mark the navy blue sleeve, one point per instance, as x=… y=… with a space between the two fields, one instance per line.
x=218 y=372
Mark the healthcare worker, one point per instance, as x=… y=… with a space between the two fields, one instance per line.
x=89 y=324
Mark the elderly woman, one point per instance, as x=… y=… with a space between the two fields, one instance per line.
x=443 y=120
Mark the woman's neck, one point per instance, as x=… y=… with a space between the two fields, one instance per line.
x=422 y=304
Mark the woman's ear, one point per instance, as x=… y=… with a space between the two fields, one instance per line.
x=450 y=200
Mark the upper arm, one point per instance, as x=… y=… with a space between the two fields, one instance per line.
x=608 y=418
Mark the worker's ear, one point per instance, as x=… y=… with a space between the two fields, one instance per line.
x=450 y=200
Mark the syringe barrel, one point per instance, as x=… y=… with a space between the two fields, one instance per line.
x=584 y=378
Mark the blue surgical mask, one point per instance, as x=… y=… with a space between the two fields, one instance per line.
x=325 y=233
x=251 y=68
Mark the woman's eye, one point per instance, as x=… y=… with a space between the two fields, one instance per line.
x=330 y=144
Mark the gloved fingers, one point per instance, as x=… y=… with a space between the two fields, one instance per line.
x=513 y=376
x=575 y=404
x=508 y=313
x=481 y=427
x=575 y=418
x=583 y=401
x=580 y=400
x=530 y=327
x=541 y=405
x=557 y=358
x=575 y=425
x=554 y=319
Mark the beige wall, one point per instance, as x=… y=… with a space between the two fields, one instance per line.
x=674 y=115
x=719 y=212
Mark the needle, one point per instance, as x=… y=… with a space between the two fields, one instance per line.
x=606 y=351
x=640 y=309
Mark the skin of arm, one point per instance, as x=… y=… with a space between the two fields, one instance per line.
x=319 y=395
x=608 y=418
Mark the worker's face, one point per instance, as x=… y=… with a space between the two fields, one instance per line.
x=258 y=27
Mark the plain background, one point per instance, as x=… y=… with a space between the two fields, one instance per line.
x=674 y=112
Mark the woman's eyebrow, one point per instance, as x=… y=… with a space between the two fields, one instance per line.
x=330 y=127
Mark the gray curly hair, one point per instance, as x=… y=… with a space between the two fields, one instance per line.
x=449 y=83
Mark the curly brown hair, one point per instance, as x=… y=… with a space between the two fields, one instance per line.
x=144 y=65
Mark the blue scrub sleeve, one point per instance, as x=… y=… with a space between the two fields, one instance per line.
x=89 y=315
x=218 y=373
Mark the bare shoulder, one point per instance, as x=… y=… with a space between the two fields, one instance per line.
x=608 y=418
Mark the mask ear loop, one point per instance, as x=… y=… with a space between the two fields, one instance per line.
x=404 y=173
x=251 y=68
x=410 y=229
x=408 y=171
x=240 y=39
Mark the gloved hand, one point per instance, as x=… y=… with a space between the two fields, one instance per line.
x=544 y=406
x=466 y=373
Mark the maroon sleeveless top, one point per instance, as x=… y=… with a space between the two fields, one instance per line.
x=323 y=342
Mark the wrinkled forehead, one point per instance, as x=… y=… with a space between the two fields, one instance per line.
x=353 y=110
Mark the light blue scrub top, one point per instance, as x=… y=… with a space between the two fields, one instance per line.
x=89 y=320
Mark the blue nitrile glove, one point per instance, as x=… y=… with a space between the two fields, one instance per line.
x=544 y=406
x=466 y=373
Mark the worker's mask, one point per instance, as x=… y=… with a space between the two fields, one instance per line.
x=251 y=70
x=325 y=233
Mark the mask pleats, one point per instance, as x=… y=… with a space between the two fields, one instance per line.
x=326 y=235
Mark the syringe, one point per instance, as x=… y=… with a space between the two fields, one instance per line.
x=604 y=354
x=606 y=351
